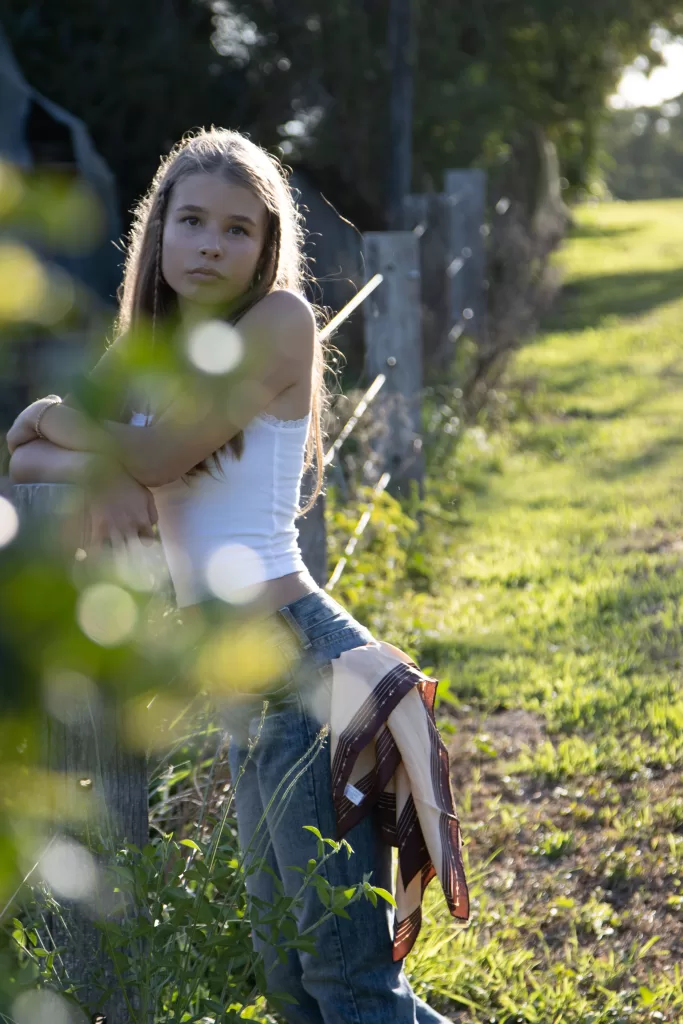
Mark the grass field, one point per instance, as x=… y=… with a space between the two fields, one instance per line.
x=553 y=613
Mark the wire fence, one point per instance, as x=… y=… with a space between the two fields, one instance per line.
x=351 y=305
x=360 y=409
x=465 y=256
x=351 y=423
x=380 y=486
x=436 y=426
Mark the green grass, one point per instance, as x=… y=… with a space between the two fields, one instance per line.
x=553 y=614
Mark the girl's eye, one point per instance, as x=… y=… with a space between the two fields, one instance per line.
x=238 y=228
x=190 y=219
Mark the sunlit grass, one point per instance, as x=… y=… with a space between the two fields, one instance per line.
x=565 y=584
x=558 y=597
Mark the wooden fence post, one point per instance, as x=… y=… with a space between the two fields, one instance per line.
x=401 y=38
x=427 y=216
x=393 y=346
x=312 y=531
x=85 y=752
x=466 y=192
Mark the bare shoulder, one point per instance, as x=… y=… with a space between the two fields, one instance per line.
x=287 y=319
x=292 y=305
x=113 y=356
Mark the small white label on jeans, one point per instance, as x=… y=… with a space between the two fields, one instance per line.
x=354 y=795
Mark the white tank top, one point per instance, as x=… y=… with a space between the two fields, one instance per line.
x=226 y=532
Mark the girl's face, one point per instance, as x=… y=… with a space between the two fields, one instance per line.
x=213 y=238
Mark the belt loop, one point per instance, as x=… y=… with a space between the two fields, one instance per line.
x=300 y=635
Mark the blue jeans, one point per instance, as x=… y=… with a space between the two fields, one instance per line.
x=352 y=979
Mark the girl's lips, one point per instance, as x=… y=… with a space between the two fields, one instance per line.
x=205 y=272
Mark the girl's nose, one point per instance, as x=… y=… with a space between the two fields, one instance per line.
x=210 y=249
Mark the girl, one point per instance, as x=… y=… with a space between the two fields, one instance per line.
x=217 y=241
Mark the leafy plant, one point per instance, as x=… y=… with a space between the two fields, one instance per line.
x=555 y=844
x=180 y=933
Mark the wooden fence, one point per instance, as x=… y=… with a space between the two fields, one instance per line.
x=427 y=290
x=425 y=282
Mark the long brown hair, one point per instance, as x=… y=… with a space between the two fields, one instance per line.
x=146 y=296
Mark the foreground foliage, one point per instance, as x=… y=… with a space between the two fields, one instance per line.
x=178 y=929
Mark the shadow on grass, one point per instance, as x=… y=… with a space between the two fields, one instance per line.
x=589 y=300
x=579 y=377
x=575 y=412
x=654 y=455
x=596 y=231
x=453 y=647
x=619 y=632
x=672 y=372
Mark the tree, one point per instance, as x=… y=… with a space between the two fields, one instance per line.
x=485 y=73
x=138 y=72
x=316 y=79
x=508 y=85
x=642 y=152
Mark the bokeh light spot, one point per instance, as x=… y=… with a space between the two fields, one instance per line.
x=69 y=869
x=215 y=347
x=154 y=721
x=11 y=188
x=63 y=211
x=235 y=573
x=69 y=696
x=139 y=566
x=107 y=614
x=23 y=283
x=242 y=660
x=77 y=221
x=44 y=1007
x=9 y=522
x=58 y=298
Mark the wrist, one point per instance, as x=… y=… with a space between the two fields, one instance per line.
x=43 y=405
x=102 y=471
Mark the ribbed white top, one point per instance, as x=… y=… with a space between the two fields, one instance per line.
x=226 y=531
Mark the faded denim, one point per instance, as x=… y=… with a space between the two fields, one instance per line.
x=352 y=979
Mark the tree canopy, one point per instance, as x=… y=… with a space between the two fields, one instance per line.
x=315 y=79
x=642 y=152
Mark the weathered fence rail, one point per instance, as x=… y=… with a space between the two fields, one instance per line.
x=393 y=346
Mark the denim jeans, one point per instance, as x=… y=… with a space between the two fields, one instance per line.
x=352 y=978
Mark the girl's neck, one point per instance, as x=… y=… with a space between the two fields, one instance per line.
x=192 y=314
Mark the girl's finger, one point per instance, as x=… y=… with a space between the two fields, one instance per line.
x=117 y=540
x=152 y=509
x=145 y=530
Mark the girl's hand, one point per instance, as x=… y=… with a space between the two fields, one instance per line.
x=23 y=429
x=123 y=509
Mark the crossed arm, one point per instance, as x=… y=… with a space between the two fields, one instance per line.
x=278 y=337
x=119 y=506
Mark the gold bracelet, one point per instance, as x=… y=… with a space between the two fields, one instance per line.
x=53 y=400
